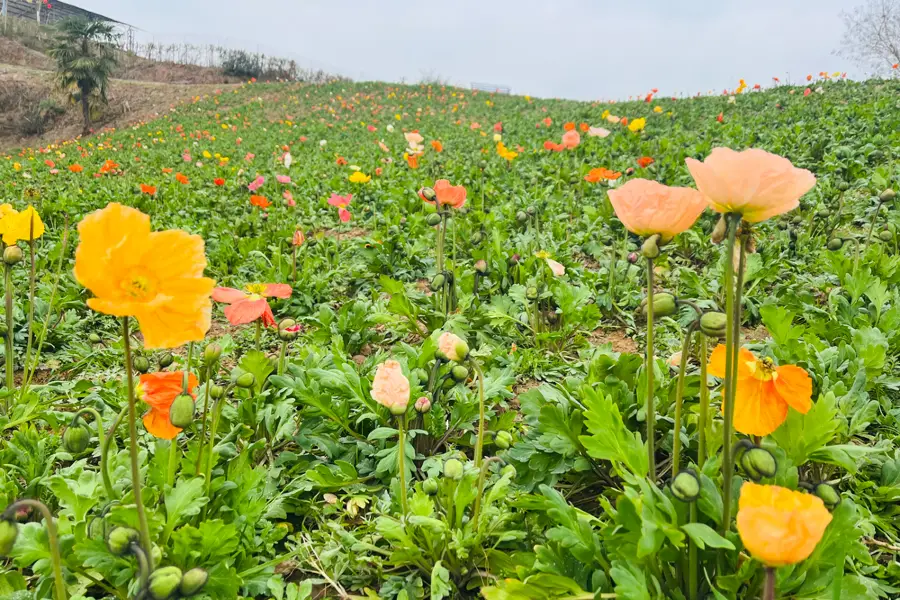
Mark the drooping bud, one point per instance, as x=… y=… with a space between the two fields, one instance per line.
x=192 y=582
x=12 y=255
x=531 y=292
x=650 y=247
x=759 y=463
x=120 y=538
x=835 y=243
x=140 y=364
x=216 y=392
x=885 y=235
x=459 y=373
x=664 y=305
x=633 y=257
x=887 y=195
x=438 y=282
x=686 y=486
x=714 y=324
x=165 y=360
x=828 y=494
x=428 y=194
x=76 y=438
x=430 y=486
x=502 y=439
x=288 y=330
x=164 y=582
x=453 y=469
x=246 y=380
x=481 y=266
x=423 y=405
x=719 y=231
x=9 y=531
x=94 y=338
x=181 y=413
x=521 y=216
x=433 y=219
x=211 y=354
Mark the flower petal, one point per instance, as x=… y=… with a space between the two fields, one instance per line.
x=228 y=295
x=794 y=385
x=278 y=290
x=246 y=311
x=758 y=409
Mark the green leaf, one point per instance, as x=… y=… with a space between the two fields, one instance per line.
x=259 y=365
x=801 y=435
x=440 y=582
x=704 y=535
x=631 y=582
x=183 y=501
x=610 y=439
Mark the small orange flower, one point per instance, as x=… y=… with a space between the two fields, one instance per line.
x=181 y=178
x=584 y=127
x=764 y=391
x=453 y=196
x=341 y=161
x=260 y=201
x=570 y=126
x=150 y=190
x=601 y=174
x=647 y=208
x=645 y=161
x=159 y=390
x=437 y=145
x=108 y=166
x=298 y=238
x=548 y=145
x=412 y=160
x=167 y=170
x=779 y=526
x=218 y=181
x=76 y=168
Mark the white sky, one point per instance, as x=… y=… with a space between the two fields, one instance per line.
x=581 y=49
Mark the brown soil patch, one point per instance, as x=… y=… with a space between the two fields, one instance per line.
x=755 y=334
x=356 y=232
x=14 y=53
x=620 y=342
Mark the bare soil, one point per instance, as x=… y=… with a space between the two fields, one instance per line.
x=617 y=337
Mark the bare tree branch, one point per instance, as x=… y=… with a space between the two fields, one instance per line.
x=872 y=35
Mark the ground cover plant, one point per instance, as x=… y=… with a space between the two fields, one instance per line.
x=363 y=340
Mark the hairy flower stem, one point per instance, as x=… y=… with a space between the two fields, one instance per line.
x=143 y=564
x=769 y=584
x=401 y=463
x=482 y=475
x=207 y=384
x=10 y=359
x=133 y=445
x=679 y=398
x=101 y=440
x=258 y=333
x=214 y=427
x=693 y=563
x=651 y=402
x=704 y=403
x=55 y=557
x=31 y=284
x=868 y=236
x=104 y=450
x=479 y=440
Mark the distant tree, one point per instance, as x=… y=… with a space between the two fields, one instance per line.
x=85 y=58
x=872 y=35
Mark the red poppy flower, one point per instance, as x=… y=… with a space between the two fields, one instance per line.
x=807 y=92
x=260 y=201
x=721 y=117
x=250 y=305
x=341 y=161
x=219 y=181
x=159 y=390
x=644 y=162
x=50 y=163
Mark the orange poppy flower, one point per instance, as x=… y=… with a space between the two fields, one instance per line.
x=779 y=526
x=584 y=127
x=260 y=201
x=648 y=208
x=570 y=126
x=548 y=145
x=250 y=305
x=76 y=168
x=148 y=189
x=755 y=183
x=341 y=161
x=764 y=391
x=645 y=161
x=453 y=196
x=109 y=165
x=167 y=170
x=437 y=145
x=156 y=277
x=412 y=160
x=159 y=390
x=601 y=174
x=181 y=178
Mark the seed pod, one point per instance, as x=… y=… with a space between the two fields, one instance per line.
x=192 y=582
x=797 y=219
x=887 y=195
x=828 y=495
x=453 y=469
x=216 y=392
x=246 y=380
x=76 y=438
x=502 y=439
x=120 y=538
x=663 y=305
x=521 y=216
x=433 y=219
x=165 y=360
x=430 y=486
x=531 y=210
x=759 y=463
x=632 y=257
x=211 y=354
x=686 y=486
x=421 y=375
x=428 y=194
x=459 y=373
x=835 y=243
x=181 y=413
x=9 y=530
x=438 y=282
x=448 y=383
x=885 y=235
x=714 y=324
x=164 y=582
x=94 y=338
x=650 y=247
x=12 y=255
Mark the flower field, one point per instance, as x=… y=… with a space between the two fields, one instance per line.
x=360 y=340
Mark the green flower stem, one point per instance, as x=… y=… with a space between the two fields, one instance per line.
x=868 y=236
x=294 y=266
x=651 y=401
x=104 y=451
x=281 y=356
x=133 y=444
x=732 y=222
x=31 y=284
x=679 y=398
x=769 y=585
x=55 y=557
x=10 y=359
x=482 y=475
x=143 y=564
x=214 y=427
x=401 y=462
x=206 y=385
x=173 y=462
x=101 y=439
x=704 y=403
x=693 y=563
x=258 y=333
x=479 y=440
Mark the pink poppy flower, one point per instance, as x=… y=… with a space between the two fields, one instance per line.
x=598 y=132
x=571 y=139
x=257 y=183
x=289 y=198
x=341 y=203
x=390 y=388
x=558 y=269
x=250 y=304
x=647 y=208
x=283 y=179
x=186 y=157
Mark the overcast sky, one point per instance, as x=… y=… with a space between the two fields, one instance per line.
x=583 y=49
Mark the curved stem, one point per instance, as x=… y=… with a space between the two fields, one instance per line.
x=482 y=475
x=401 y=463
x=214 y=427
x=104 y=451
x=133 y=445
x=101 y=440
x=651 y=401
x=479 y=440
x=55 y=557
x=679 y=398
x=143 y=564
x=704 y=403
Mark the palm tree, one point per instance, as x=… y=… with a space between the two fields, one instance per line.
x=85 y=58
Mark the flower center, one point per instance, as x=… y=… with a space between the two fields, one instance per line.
x=763 y=369
x=256 y=289
x=138 y=287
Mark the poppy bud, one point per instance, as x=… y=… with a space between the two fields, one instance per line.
x=719 y=231
x=650 y=248
x=508 y=471
x=430 y=486
x=288 y=330
x=428 y=194
x=165 y=360
x=140 y=364
x=423 y=405
x=887 y=195
x=686 y=486
x=521 y=216
x=246 y=380
x=120 y=538
x=181 y=413
x=477 y=237
x=216 y=392
x=211 y=354
x=714 y=324
x=835 y=243
x=94 y=338
x=12 y=255
x=438 y=282
x=663 y=305
x=633 y=257
x=759 y=463
x=76 y=438
x=192 y=582
x=531 y=293
x=459 y=373
x=514 y=259
x=531 y=210
x=843 y=186
x=453 y=469
x=481 y=266
x=502 y=439
x=629 y=171
x=163 y=582
x=9 y=530
x=433 y=219
x=797 y=220
x=828 y=495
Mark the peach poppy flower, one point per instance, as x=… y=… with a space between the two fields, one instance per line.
x=298 y=238
x=599 y=132
x=557 y=268
x=779 y=526
x=571 y=139
x=413 y=138
x=159 y=390
x=452 y=346
x=764 y=391
x=453 y=196
x=247 y=306
x=390 y=388
x=755 y=183
x=156 y=277
x=647 y=208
